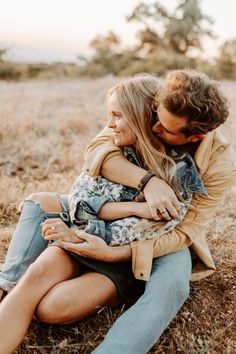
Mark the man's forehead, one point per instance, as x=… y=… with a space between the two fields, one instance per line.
x=170 y=121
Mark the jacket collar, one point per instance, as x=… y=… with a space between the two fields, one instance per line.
x=208 y=145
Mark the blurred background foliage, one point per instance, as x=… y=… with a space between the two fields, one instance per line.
x=166 y=40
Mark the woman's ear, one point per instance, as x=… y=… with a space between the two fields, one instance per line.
x=196 y=137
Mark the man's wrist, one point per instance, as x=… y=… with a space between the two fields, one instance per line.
x=144 y=180
x=157 y=179
x=119 y=253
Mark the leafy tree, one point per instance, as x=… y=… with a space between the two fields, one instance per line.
x=165 y=41
x=105 y=47
x=153 y=18
x=227 y=59
x=104 y=59
x=176 y=31
x=107 y=42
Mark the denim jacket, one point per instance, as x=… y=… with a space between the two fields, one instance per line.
x=88 y=195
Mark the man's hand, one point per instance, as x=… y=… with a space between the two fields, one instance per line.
x=96 y=248
x=161 y=199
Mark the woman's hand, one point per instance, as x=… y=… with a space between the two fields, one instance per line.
x=161 y=199
x=96 y=248
x=56 y=229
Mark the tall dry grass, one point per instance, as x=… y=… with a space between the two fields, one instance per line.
x=45 y=126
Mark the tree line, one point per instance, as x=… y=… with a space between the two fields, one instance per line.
x=166 y=40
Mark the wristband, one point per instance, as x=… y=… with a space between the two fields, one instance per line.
x=145 y=180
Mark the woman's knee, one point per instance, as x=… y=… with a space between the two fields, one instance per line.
x=55 y=309
x=42 y=267
x=36 y=273
x=49 y=202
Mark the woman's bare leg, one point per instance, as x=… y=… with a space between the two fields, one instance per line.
x=17 y=309
x=74 y=299
x=49 y=202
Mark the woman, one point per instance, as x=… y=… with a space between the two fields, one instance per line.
x=95 y=203
x=111 y=284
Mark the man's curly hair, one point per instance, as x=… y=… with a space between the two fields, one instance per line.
x=193 y=95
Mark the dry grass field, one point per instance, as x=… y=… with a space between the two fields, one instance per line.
x=44 y=128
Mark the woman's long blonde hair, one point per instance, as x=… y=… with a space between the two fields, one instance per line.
x=136 y=102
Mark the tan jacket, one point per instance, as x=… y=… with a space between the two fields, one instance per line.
x=217 y=165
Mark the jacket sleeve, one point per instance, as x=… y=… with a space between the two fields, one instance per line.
x=98 y=151
x=218 y=179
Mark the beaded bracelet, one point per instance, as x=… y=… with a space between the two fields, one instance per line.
x=145 y=180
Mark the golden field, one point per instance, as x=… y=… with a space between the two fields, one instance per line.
x=44 y=128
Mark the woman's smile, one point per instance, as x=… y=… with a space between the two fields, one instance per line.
x=122 y=133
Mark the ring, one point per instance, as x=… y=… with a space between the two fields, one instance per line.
x=164 y=211
x=176 y=204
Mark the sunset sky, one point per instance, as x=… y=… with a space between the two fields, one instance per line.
x=59 y=30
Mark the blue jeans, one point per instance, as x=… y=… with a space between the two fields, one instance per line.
x=26 y=244
x=139 y=328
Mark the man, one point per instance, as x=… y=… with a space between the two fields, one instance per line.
x=188 y=109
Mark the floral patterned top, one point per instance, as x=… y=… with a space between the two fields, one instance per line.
x=88 y=195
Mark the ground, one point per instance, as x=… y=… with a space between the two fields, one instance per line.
x=45 y=126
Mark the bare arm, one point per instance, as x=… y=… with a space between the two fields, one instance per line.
x=158 y=194
x=103 y=157
x=118 y=169
x=113 y=211
x=96 y=248
x=82 y=243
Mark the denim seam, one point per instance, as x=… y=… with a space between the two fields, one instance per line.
x=40 y=212
x=40 y=217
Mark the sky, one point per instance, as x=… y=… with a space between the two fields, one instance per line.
x=60 y=30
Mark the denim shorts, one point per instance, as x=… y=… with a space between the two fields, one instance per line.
x=129 y=288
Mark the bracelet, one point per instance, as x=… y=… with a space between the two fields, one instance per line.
x=145 y=180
